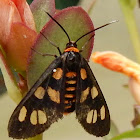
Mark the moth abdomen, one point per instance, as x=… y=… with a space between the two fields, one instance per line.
x=70 y=91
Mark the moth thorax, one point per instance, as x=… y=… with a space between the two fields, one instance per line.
x=72 y=59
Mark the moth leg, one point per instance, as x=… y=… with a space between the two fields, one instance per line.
x=44 y=54
x=52 y=43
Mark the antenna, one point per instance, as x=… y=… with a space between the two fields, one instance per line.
x=59 y=25
x=96 y=29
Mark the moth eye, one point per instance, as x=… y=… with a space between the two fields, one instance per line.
x=94 y=92
x=40 y=92
x=83 y=74
x=102 y=112
x=84 y=95
x=57 y=73
x=22 y=114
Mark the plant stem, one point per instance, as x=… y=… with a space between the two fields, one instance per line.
x=127 y=8
x=9 y=79
x=11 y=85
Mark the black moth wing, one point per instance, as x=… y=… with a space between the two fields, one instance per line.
x=43 y=104
x=91 y=108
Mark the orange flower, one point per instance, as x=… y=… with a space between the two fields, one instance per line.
x=116 y=62
x=17 y=31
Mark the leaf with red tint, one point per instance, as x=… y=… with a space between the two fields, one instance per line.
x=20 y=41
x=76 y=22
x=38 y=8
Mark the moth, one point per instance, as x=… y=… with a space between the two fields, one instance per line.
x=67 y=85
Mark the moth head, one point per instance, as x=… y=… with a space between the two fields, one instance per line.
x=71 y=44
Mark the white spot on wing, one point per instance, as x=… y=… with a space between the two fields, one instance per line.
x=57 y=73
x=54 y=95
x=33 y=117
x=102 y=112
x=22 y=114
x=54 y=70
x=89 y=116
x=40 y=92
x=94 y=92
x=84 y=95
x=95 y=116
x=83 y=74
x=42 y=117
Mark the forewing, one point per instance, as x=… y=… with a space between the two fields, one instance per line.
x=91 y=108
x=42 y=105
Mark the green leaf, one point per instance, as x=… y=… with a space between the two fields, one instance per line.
x=127 y=7
x=76 y=22
x=29 y=1
x=61 y=4
x=128 y=134
x=2 y=85
x=38 y=8
x=38 y=137
x=113 y=131
x=129 y=3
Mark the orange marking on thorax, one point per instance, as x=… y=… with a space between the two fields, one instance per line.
x=73 y=49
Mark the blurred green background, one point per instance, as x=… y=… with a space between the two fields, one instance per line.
x=112 y=38
x=60 y=4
